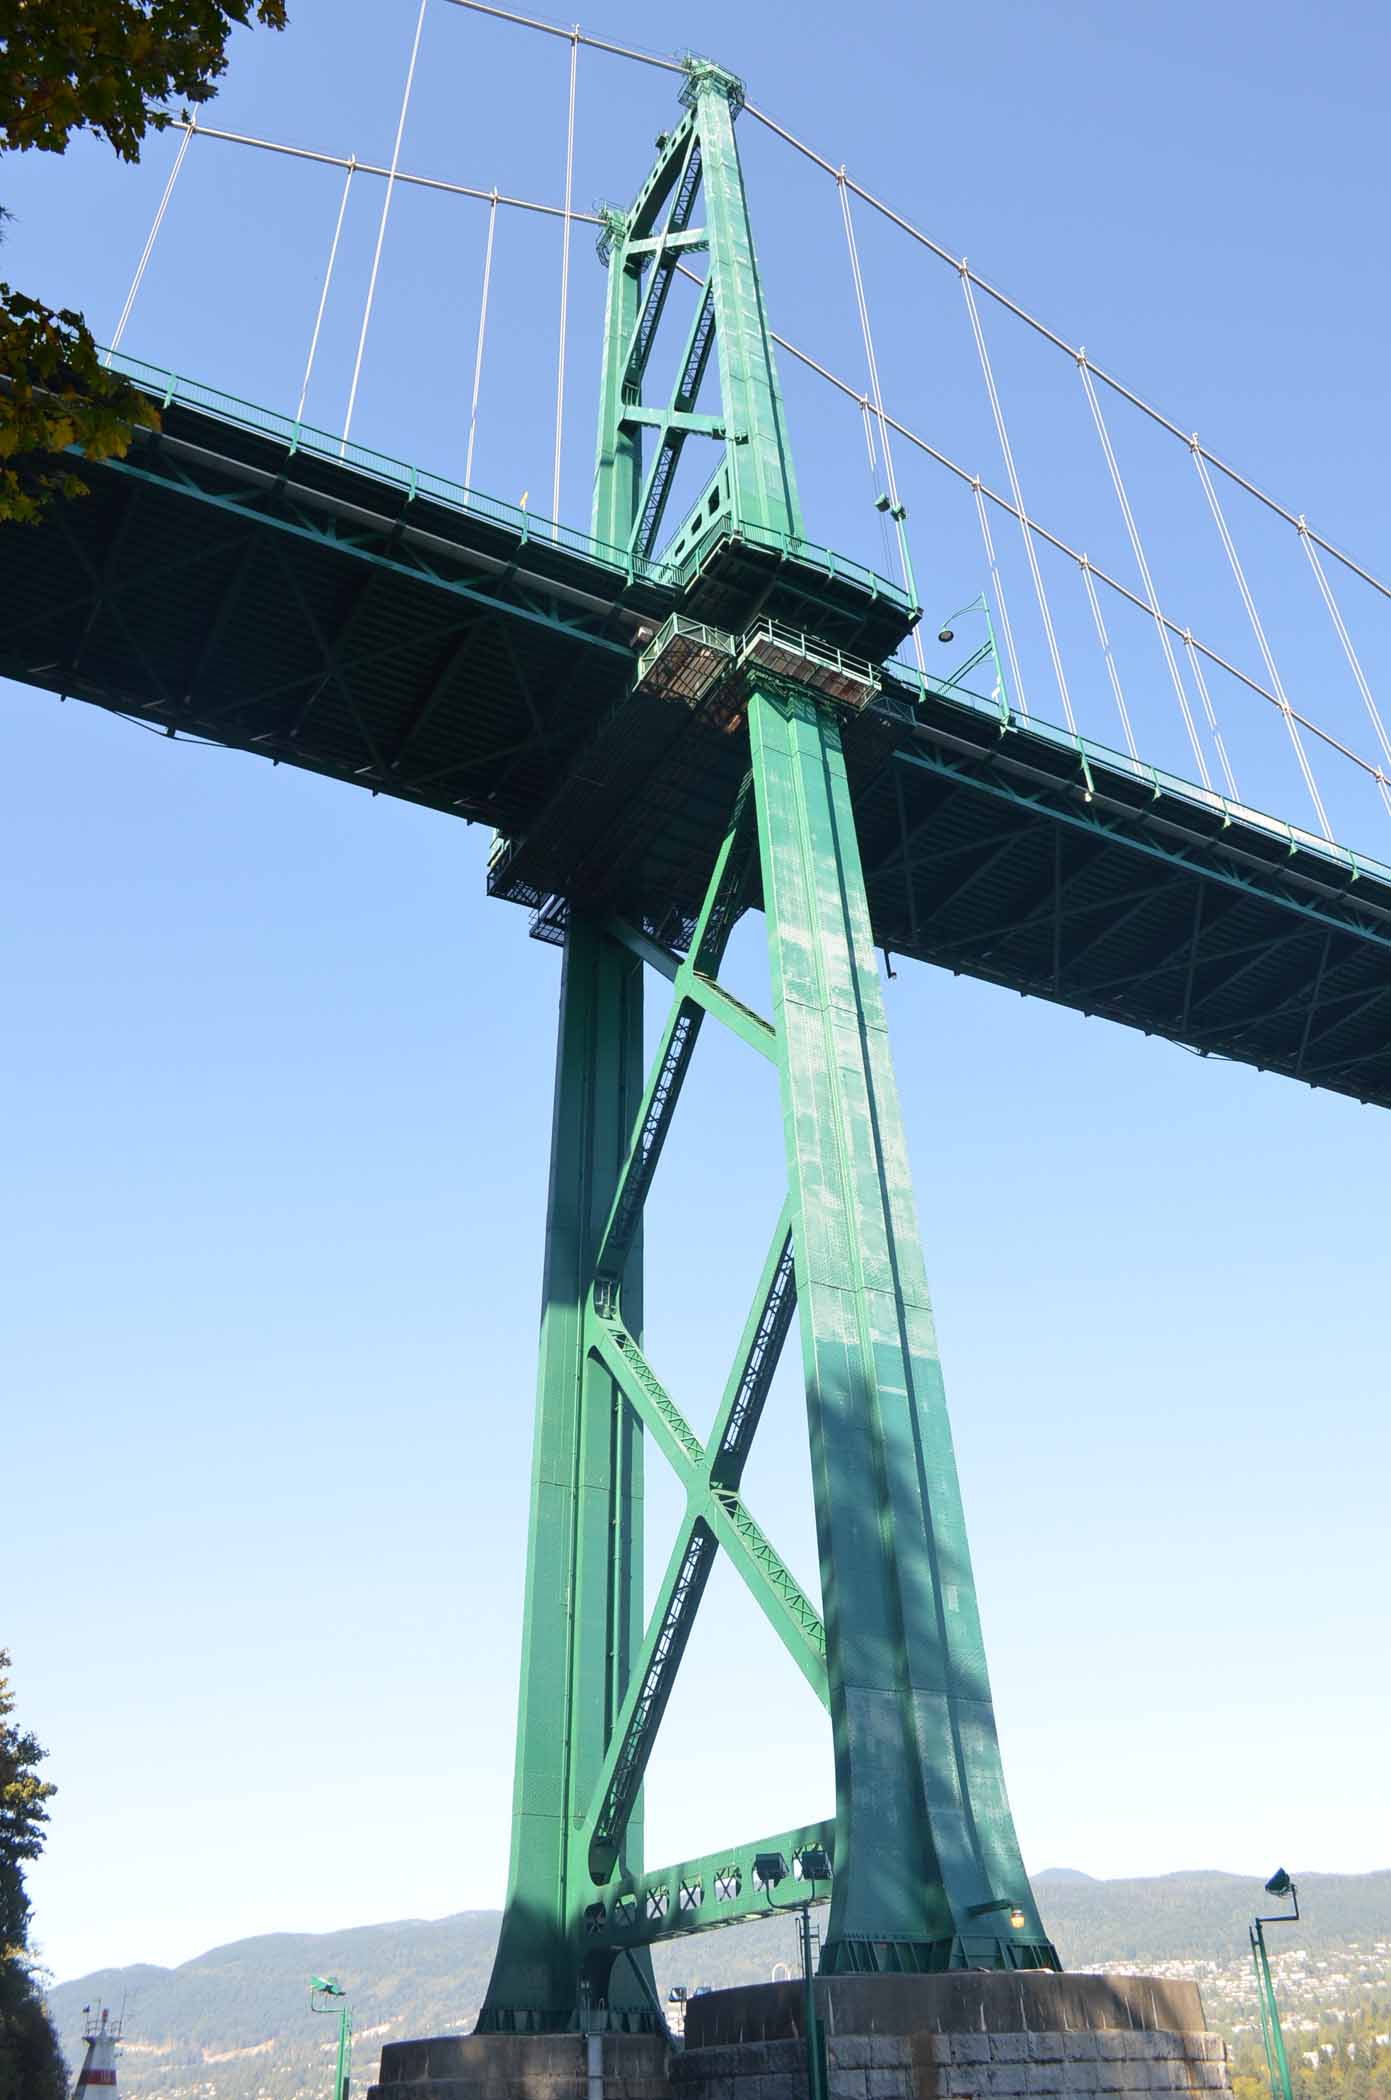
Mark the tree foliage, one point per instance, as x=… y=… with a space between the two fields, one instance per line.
x=31 y=2063
x=58 y=394
x=111 y=67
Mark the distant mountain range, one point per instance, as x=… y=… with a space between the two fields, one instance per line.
x=234 y=2024
x=1201 y=1916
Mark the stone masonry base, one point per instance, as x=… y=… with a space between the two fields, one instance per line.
x=967 y=2035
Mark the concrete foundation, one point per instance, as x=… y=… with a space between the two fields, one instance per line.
x=965 y=2035
x=524 y=2067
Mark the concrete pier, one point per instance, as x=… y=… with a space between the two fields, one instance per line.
x=964 y=2035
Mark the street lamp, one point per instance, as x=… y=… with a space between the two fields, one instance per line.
x=813 y=1865
x=947 y=633
x=1276 y=2062
x=321 y=1987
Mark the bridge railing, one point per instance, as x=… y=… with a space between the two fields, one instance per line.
x=908 y=684
x=169 y=388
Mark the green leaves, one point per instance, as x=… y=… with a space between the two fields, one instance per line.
x=56 y=394
x=111 y=66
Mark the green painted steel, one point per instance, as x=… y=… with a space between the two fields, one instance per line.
x=697 y=1895
x=1277 y=2062
x=926 y=1855
x=754 y=487
x=583 y=1583
x=600 y=673
x=926 y=1867
x=1272 y=2033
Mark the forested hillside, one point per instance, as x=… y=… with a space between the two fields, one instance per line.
x=234 y=2023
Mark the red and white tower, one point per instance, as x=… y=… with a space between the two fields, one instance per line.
x=98 y=2073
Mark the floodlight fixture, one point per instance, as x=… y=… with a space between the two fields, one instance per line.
x=1009 y=1903
x=770 y=1868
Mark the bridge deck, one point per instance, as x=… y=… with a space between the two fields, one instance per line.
x=236 y=579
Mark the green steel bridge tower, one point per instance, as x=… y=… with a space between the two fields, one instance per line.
x=926 y=1870
x=666 y=729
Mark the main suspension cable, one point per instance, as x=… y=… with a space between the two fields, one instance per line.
x=1165 y=626
x=381 y=228
x=367 y=167
x=148 y=249
x=925 y=240
x=594 y=43
x=1050 y=335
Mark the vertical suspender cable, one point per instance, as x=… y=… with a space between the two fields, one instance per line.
x=872 y=455
x=1195 y=664
x=148 y=249
x=564 y=283
x=1105 y=640
x=998 y=582
x=872 y=363
x=1018 y=495
x=482 y=331
x=381 y=228
x=1137 y=549
x=1354 y=664
x=328 y=279
x=1258 y=630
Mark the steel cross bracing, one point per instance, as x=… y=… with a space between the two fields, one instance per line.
x=665 y=736
x=923 y=1847
x=927 y=1869
x=754 y=484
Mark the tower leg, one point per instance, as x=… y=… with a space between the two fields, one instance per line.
x=582 y=1617
x=927 y=1866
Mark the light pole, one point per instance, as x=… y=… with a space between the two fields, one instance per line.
x=1276 y=2061
x=771 y=1868
x=329 y=1987
x=988 y=647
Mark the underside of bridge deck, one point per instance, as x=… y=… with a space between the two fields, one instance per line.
x=229 y=586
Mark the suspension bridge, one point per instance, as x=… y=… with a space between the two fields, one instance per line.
x=700 y=704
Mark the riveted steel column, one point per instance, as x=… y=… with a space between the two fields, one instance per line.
x=583 y=1609
x=927 y=1866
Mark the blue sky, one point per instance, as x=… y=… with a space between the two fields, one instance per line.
x=273 y=1197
